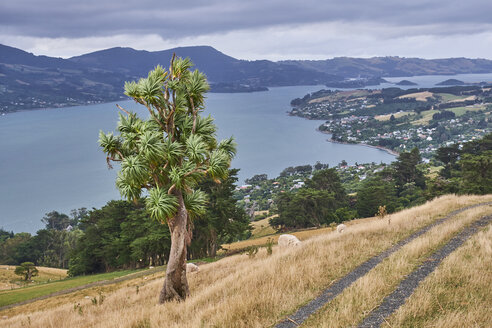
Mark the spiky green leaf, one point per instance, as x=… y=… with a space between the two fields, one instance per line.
x=160 y=205
x=195 y=203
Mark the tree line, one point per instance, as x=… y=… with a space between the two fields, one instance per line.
x=121 y=235
x=465 y=169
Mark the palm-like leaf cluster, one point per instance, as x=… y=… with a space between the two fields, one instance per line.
x=172 y=151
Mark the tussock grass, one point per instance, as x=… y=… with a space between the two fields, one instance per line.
x=350 y=307
x=457 y=294
x=241 y=292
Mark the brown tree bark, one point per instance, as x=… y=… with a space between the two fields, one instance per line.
x=176 y=285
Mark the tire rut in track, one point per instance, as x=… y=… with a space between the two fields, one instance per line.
x=340 y=285
x=406 y=288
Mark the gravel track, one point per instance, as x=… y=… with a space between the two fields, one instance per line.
x=337 y=288
x=393 y=301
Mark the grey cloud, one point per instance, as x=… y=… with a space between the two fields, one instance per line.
x=62 y=18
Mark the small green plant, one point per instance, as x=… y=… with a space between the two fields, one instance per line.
x=77 y=307
x=143 y=323
x=269 y=246
x=94 y=301
x=137 y=288
x=333 y=225
x=101 y=298
x=251 y=251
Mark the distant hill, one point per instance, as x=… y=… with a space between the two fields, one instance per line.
x=451 y=82
x=218 y=67
x=405 y=82
x=395 y=66
x=28 y=81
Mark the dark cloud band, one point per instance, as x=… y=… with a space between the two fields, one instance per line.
x=66 y=18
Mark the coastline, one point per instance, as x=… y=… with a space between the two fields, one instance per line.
x=389 y=151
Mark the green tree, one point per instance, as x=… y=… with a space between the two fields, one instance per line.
x=305 y=208
x=27 y=270
x=328 y=180
x=56 y=221
x=223 y=222
x=12 y=250
x=375 y=192
x=476 y=173
x=407 y=170
x=168 y=155
x=119 y=235
x=449 y=156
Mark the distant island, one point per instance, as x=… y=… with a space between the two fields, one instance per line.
x=451 y=82
x=405 y=82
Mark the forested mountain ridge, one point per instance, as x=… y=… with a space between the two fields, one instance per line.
x=28 y=81
x=395 y=66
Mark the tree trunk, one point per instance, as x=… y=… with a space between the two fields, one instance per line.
x=213 y=244
x=176 y=285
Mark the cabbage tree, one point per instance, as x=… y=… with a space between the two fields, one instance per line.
x=164 y=157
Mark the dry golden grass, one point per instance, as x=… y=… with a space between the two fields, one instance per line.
x=241 y=292
x=463 y=99
x=388 y=116
x=350 y=307
x=420 y=96
x=457 y=294
x=80 y=296
x=9 y=280
x=301 y=235
x=262 y=228
x=426 y=117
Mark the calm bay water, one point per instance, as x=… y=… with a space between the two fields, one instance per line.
x=50 y=159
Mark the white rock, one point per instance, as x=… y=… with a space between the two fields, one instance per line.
x=288 y=240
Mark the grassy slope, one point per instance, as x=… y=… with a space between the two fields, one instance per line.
x=242 y=292
x=350 y=307
x=9 y=280
x=426 y=117
x=262 y=228
x=460 y=111
x=18 y=295
x=457 y=294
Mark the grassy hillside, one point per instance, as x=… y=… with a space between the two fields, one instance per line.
x=238 y=291
x=9 y=280
x=22 y=294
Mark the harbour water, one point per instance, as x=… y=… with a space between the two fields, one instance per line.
x=50 y=158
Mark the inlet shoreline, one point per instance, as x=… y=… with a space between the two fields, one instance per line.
x=389 y=151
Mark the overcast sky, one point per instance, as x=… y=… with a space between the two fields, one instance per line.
x=253 y=29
